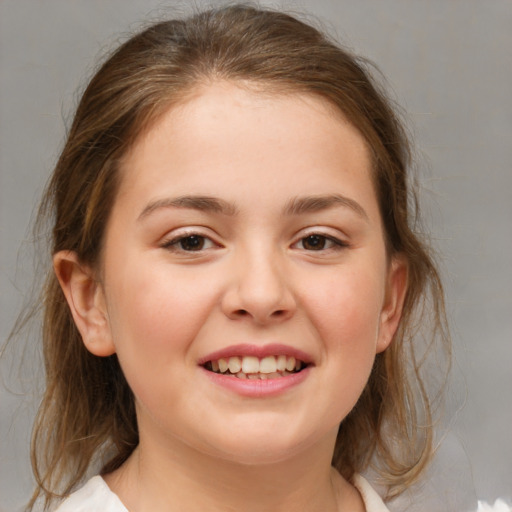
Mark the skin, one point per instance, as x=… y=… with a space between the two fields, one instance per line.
x=257 y=278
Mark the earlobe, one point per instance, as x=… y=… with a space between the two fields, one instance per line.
x=86 y=301
x=396 y=289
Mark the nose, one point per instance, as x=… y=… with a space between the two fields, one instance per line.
x=260 y=289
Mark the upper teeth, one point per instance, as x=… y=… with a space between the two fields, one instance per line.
x=252 y=364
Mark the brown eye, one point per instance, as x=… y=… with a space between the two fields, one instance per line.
x=188 y=243
x=192 y=243
x=320 y=243
x=314 y=242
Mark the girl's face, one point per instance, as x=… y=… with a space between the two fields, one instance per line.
x=246 y=233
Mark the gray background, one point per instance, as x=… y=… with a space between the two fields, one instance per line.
x=449 y=64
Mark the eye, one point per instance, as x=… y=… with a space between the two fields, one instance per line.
x=319 y=242
x=189 y=243
x=314 y=242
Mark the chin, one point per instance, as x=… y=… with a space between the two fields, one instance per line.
x=263 y=446
x=258 y=456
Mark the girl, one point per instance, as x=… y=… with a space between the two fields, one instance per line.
x=238 y=288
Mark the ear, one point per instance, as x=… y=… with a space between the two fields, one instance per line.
x=86 y=301
x=396 y=288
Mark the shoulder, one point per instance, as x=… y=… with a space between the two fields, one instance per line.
x=372 y=501
x=94 y=496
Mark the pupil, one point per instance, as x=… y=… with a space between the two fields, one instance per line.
x=192 y=243
x=314 y=242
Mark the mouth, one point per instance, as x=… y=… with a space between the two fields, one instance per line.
x=256 y=368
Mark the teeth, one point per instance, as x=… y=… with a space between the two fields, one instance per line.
x=250 y=367
x=268 y=365
x=223 y=365
x=235 y=364
x=281 y=363
x=250 y=364
x=290 y=364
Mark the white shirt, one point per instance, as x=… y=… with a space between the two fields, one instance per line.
x=96 y=496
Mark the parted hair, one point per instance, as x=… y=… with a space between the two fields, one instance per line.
x=87 y=415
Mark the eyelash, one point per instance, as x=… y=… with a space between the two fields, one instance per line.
x=196 y=238
x=174 y=243
x=337 y=244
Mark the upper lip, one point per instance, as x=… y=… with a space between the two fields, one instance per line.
x=259 y=351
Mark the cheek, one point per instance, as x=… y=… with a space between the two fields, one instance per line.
x=154 y=317
x=345 y=311
x=153 y=305
x=346 y=308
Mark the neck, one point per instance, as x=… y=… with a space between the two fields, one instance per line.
x=157 y=479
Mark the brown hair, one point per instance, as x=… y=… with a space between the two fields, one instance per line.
x=87 y=415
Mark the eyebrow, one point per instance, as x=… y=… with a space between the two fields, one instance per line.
x=296 y=206
x=202 y=203
x=310 y=204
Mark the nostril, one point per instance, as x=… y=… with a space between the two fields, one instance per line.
x=277 y=315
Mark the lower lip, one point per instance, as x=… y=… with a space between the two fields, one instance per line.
x=256 y=388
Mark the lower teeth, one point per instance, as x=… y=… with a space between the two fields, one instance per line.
x=257 y=376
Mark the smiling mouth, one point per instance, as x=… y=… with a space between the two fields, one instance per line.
x=251 y=367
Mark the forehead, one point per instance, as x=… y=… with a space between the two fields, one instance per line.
x=232 y=131
x=232 y=105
